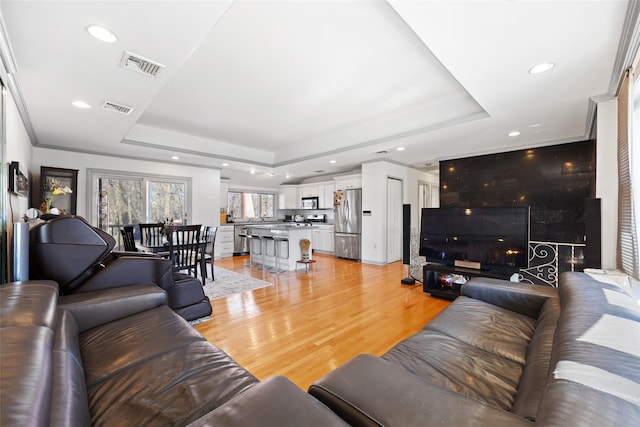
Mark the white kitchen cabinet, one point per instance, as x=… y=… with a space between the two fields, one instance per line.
x=345 y=182
x=326 y=201
x=288 y=197
x=308 y=190
x=224 y=241
x=323 y=238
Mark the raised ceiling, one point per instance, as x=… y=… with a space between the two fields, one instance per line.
x=282 y=88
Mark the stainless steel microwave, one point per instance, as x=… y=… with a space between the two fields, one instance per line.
x=309 y=203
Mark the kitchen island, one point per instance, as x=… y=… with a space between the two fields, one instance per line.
x=293 y=232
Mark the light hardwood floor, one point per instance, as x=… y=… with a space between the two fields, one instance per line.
x=309 y=323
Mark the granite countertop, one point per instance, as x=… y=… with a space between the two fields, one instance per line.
x=281 y=226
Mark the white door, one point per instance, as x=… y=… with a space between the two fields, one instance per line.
x=394 y=220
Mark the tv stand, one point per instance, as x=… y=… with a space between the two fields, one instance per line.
x=445 y=281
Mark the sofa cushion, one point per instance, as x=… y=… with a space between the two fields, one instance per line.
x=473 y=348
x=595 y=363
x=91 y=309
x=27 y=319
x=176 y=387
x=369 y=391
x=170 y=376
x=25 y=369
x=69 y=404
x=115 y=346
x=29 y=304
x=459 y=367
x=599 y=326
x=536 y=369
x=480 y=324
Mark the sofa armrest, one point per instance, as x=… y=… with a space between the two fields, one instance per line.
x=523 y=298
x=369 y=391
x=91 y=309
x=274 y=402
x=130 y=269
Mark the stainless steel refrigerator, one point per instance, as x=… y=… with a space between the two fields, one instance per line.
x=347 y=223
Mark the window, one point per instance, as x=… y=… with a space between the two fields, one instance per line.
x=628 y=210
x=127 y=198
x=250 y=205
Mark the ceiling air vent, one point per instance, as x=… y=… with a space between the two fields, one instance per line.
x=117 y=108
x=135 y=62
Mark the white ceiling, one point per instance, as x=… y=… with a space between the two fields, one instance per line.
x=284 y=87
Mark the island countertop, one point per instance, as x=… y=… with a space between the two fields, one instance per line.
x=289 y=250
x=280 y=226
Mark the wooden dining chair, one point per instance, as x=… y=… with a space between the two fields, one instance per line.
x=128 y=238
x=184 y=250
x=151 y=234
x=210 y=239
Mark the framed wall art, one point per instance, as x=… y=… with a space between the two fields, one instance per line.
x=18 y=179
x=58 y=189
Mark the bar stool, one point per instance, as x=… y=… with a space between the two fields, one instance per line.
x=266 y=239
x=278 y=240
x=261 y=239
x=249 y=239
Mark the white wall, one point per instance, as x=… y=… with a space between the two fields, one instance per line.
x=205 y=207
x=19 y=149
x=607 y=178
x=374 y=199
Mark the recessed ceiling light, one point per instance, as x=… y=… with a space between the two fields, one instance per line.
x=175 y=158
x=541 y=68
x=101 y=34
x=514 y=133
x=400 y=149
x=332 y=161
x=80 y=104
x=252 y=171
x=225 y=165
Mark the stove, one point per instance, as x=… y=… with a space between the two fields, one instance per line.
x=308 y=221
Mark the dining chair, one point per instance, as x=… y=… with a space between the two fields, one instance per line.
x=151 y=234
x=208 y=253
x=184 y=250
x=128 y=238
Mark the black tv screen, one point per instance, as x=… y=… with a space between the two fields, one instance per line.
x=497 y=238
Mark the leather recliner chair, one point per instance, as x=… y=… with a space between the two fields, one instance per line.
x=79 y=257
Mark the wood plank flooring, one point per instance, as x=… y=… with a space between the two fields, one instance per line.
x=309 y=323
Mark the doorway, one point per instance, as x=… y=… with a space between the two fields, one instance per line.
x=394 y=219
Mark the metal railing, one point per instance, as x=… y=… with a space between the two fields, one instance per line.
x=548 y=259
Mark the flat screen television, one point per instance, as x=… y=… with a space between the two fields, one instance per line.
x=497 y=238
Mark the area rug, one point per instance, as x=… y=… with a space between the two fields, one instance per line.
x=228 y=283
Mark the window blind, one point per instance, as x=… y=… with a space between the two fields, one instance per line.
x=627 y=250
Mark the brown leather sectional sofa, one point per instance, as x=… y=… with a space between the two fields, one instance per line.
x=502 y=354
x=122 y=357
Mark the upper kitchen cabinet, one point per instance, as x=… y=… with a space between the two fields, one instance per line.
x=308 y=190
x=345 y=182
x=288 y=197
x=326 y=195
